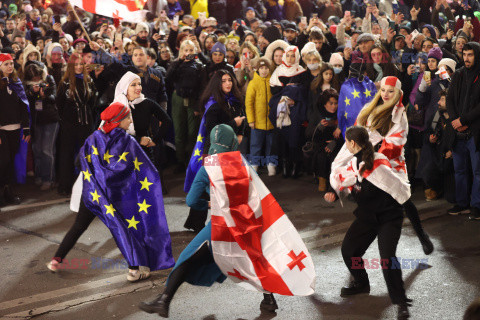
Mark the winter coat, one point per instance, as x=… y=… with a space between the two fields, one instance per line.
x=292 y=10
x=188 y=77
x=45 y=111
x=256 y=102
x=79 y=108
x=197 y=6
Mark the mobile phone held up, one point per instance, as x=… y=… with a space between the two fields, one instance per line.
x=56 y=19
x=192 y=56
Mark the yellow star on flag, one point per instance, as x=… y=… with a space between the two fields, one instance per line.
x=95 y=196
x=132 y=223
x=95 y=150
x=368 y=93
x=346 y=114
x=86 y=175
x=143 y=206
x=199 y=138
x=110 y=209
x=137 y=164
x=145 y=184
x=107 y=156
x=355 y=93
x=196 y=153
x=200 y=159
x=123 y=156
x=89 y=158
x=347 y=101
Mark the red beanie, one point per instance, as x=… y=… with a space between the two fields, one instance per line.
x=5 y=57
x=112 y=116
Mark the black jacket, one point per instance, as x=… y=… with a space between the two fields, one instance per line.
x=77 y=109
x=12 y=108
x=188 y=78
x=144 y=115
x=463 y=99
x=48 y=112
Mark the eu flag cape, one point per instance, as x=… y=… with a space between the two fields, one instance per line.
x=21 y=156
x=354 y=95
x=122 y=187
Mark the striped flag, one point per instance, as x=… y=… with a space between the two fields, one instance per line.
x=128 y=10
x=253 y=241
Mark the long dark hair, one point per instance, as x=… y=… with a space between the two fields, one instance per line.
x=317 y=83
x=214 y=89
x=360 y=136
x=388 y=68
x=70 y=79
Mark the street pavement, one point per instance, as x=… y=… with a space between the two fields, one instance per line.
x=441 y=288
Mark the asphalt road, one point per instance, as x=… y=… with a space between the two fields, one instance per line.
x=31 y=232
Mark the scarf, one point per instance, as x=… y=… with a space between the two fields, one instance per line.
x=285 y=70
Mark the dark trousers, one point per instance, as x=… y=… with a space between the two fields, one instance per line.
x=82 y=221
x=71 y=139
x=10 y=142
x=412 y=214
x=357 y=240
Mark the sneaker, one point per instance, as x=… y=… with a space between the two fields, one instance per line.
x=137 y=275
x=271 y=170
x=456 y=210
x=474 y=214
x=46 y=186
x=53 y=265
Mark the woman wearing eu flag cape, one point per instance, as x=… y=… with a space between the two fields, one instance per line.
x=120 y=185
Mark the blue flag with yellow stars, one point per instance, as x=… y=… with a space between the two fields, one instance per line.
x=196 y=162
x=354 y=95
x=122 y=187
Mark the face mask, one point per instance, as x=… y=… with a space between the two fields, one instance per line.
x=337 y=70
x=313 y=66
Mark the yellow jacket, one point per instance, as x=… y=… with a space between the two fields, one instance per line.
x=256 y=102
x=198 y=6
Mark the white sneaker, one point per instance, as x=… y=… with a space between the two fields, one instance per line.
x=53 y=265
x=137 y=275
x=271 y=170
x=255 y=168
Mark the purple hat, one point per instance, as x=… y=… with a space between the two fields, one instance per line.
x=435 y=53
x=219 y=47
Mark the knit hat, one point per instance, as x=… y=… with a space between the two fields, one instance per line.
x=263 y=62
x=112 y=116
x=271 y=34
x=448 y=62
x=5 y=57
x=435 y=53
x=431 y=29
x=309 y=47
x=391 y=81
x=219 y=47
x=249 y=8
x=78 y=41
x=336 y=59
x=141 y=26
x=365 y=37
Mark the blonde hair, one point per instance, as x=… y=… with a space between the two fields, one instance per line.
x=315 y=54
x=381 y=115
x=251 y=47
x=187 y=43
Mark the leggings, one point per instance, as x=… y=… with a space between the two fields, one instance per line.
x=179 y=275
x=82 y=221
x=412 y=214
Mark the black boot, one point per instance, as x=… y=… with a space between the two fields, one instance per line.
x=355 y=288
x=268 y=303
x=427 y=244
x=285 y=169
x=159 y=305
x=403 y=313
x=10 y=197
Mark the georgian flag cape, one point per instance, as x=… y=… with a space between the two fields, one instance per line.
x=382 y=176
x=392 y=147
x=253 y=241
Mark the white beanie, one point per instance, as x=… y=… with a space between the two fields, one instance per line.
x=449 y=63
x=142 y=26
x=336 y=59
x=309 y=47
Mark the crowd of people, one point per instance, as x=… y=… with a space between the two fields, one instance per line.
x=278 y=73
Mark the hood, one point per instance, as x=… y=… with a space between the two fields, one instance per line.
x=29 y=49
x=476 y=50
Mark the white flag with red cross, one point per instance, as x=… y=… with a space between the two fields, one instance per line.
x=128 y=10
x=253 y=241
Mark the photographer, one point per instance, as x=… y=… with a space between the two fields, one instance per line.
x=41 y=90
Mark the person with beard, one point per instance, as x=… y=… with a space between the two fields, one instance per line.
x=153 y=82
x=142 y=31
x=464 y=110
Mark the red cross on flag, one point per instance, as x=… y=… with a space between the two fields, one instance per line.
x=253 y=241
x=128 y=10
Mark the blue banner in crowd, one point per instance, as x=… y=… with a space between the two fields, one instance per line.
x=122 y=187
x=354 y=95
